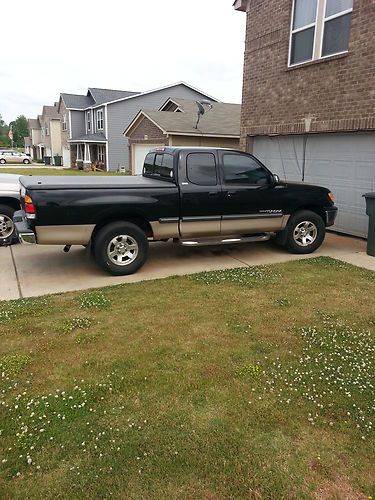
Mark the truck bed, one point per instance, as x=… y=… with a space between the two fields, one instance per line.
x=93 y=182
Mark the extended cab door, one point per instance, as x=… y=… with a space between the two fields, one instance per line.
x=201 y=194
x=251 y=201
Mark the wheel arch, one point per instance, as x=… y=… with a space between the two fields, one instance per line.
x=10 y=202
x=312 y=208
x=134 y=219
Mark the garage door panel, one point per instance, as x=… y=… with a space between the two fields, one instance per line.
x=140 y=152
x=344 y=163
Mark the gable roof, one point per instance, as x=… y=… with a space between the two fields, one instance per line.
x=33 y=123
x=50 y=112
x=98 y=97
x=222 y=120
x=102 y=96
x=77 y=101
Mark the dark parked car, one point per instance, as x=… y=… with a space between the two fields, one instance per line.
x=196 y=196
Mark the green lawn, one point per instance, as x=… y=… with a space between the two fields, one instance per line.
x=51 y=171
x=248 y=383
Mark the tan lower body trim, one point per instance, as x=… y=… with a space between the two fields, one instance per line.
x=64 y=235
x=256 y=225
x=194 y=229
x=164 y=230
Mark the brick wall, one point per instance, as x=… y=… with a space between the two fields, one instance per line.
x=338 y=93
x=146 y=129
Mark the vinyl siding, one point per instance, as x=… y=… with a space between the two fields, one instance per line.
x=78 y=123
x=121 y=114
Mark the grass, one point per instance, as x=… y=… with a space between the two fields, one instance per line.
x=247 y=383
x=52 y=171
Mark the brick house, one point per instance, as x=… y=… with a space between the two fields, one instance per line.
x=308 y=106
x=175 y=124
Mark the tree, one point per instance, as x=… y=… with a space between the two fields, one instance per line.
x=4 y=129
x=20 y=130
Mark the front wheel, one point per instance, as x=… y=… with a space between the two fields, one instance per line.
x=2 y=161
x=305 y=232
x=120 y=248
x=26 y=161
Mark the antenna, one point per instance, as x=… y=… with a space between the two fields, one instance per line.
x=202 y=110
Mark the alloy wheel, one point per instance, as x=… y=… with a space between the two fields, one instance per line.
x=305 y=233
x=122 y=250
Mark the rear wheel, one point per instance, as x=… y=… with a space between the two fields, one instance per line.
x=305 y=232
x=7 y=229
x=26 y=161
x=2 y=161
x=120 y=248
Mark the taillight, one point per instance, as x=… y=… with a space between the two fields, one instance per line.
x=29 y=207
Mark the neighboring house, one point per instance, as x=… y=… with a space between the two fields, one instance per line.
x=92 y=125
x=175 y=124
x=51 y=134
x=308 y=106
x=33 y=143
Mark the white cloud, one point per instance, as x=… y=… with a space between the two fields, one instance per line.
x=52 y=47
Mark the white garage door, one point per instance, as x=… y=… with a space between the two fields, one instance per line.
x=140 y=152
x=66 y=157
x=344 y=163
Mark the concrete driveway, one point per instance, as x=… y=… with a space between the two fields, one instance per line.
x=32 y=270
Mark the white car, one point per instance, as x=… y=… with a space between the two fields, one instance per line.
x=11 y=156
x=9 y=203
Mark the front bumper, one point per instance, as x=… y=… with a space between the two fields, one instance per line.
x=331 y=215
x=24 y=233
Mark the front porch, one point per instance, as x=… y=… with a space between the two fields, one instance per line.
x=89 y=155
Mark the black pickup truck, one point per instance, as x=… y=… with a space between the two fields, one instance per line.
x=195 y=196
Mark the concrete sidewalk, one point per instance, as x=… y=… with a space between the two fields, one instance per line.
x=32 y=270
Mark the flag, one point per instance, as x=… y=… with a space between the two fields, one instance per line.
x=10 y=135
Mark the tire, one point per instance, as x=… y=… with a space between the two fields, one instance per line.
x=2 y=161
x=304 y=233
x=7 y=228
x=26 y=161
x=120 y=248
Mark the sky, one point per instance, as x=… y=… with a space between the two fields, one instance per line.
x=51 y=47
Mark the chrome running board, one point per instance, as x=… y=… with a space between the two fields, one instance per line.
x=224 y=241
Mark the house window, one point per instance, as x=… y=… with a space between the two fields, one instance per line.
x=64 y=124
x=88 y=114
x=47 y=129
x=320 y=28
x=336 y=29
x=99 y=119
x=101 y=153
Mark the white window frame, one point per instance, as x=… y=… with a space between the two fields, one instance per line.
x=88 y=121
x=101 y=154
x=319 y=27
x=326 y=19
x=99 y=119
x=64 y=123
x=293 y=31
x=47 y=129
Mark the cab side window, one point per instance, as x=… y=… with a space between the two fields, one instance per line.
x=244 y=170
x=201 y=169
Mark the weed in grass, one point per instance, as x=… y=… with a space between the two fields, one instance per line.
x=248 y=370
x=334 y=375
x=239 y=329
x=11 y=365
x=76 y=323
x=85 y=338
x=15 y=309
x=282 y=301
x=325 y=262
x=245 y=276
x=94 y=300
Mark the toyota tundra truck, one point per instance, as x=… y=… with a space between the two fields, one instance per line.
x=194 y=196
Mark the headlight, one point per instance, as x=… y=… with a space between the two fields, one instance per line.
x=331 y=196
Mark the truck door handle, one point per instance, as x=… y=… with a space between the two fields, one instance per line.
x=213 y=193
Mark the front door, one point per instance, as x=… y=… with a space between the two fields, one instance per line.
x=201 y=194
x=251 y=202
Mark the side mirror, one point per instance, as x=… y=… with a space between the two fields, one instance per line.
x=276 y=179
